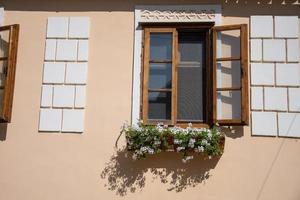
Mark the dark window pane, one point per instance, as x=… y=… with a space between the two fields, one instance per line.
x=160 y=75
x=161 y=46
x=191 y=46
x=159 y=105
x=190 y=98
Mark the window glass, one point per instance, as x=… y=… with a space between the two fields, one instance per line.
x=160 y=46
x=159 y=106
x=230 y=43
x=228 y=104
x=4 y=42
x=160 y=75
x=191 y=69
x=229 y=74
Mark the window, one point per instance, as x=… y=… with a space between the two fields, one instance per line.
x=8 y=56
x=192 y=73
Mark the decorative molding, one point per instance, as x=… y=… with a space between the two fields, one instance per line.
x=177 y=15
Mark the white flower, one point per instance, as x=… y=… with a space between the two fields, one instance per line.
x=137 y=128
x=176 y=141
x=180 y=148
x=192 y=143
x=144 y=149
x=192 y=140
x=160 y=129
x=150 y=151
x=184 y=160
x=209 y=157
x=200 y=149
x=209 y=135
x=165 y=126
x=190 y=125
x=204 y=142
x=157 y=142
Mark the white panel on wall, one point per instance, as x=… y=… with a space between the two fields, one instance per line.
x=57 y=27
x=65 y=75
x=264 y=123
x=286 y=26
x=66 y=50
x=50 y=49
x=274 y=50
x=54 y=72
x=275 y=99
x=47 y=93
x=262 y=74
x=261 y=26
x=294 y=99
x=257 y=98
x=288 y=74
x=289 y=124
x=79 y=27
x=76 y=73
x=275 y=79
x=63 y=96
x=80 y=96
x=50 y=119
x=73 y=120
x=83 y=50
x=256 y=49
x=293 y=50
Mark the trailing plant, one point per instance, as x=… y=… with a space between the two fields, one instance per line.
x=149 y=139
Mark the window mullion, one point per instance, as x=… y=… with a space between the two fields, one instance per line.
x=146 y=75
x=174 y=77
x=244 y=75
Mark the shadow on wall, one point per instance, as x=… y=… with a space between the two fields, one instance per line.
x=3 y=130
x=233 y=132
x=123 y=175
x=254 y=6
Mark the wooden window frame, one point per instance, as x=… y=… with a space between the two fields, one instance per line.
x=243 y=58
x=210 y=82
x=10 y=70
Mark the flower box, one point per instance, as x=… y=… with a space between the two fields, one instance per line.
x=143 y=139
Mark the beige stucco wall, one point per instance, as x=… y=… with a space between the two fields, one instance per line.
x=36 y=166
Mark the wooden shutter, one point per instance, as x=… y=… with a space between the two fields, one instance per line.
x=8 y=57
x=232 y=94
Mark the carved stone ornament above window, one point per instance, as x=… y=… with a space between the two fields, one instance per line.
x=177 y=15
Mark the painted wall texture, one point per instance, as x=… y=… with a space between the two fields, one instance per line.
x=42 y=165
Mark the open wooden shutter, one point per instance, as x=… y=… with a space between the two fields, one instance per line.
x=8 y=57
x=230 y=75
